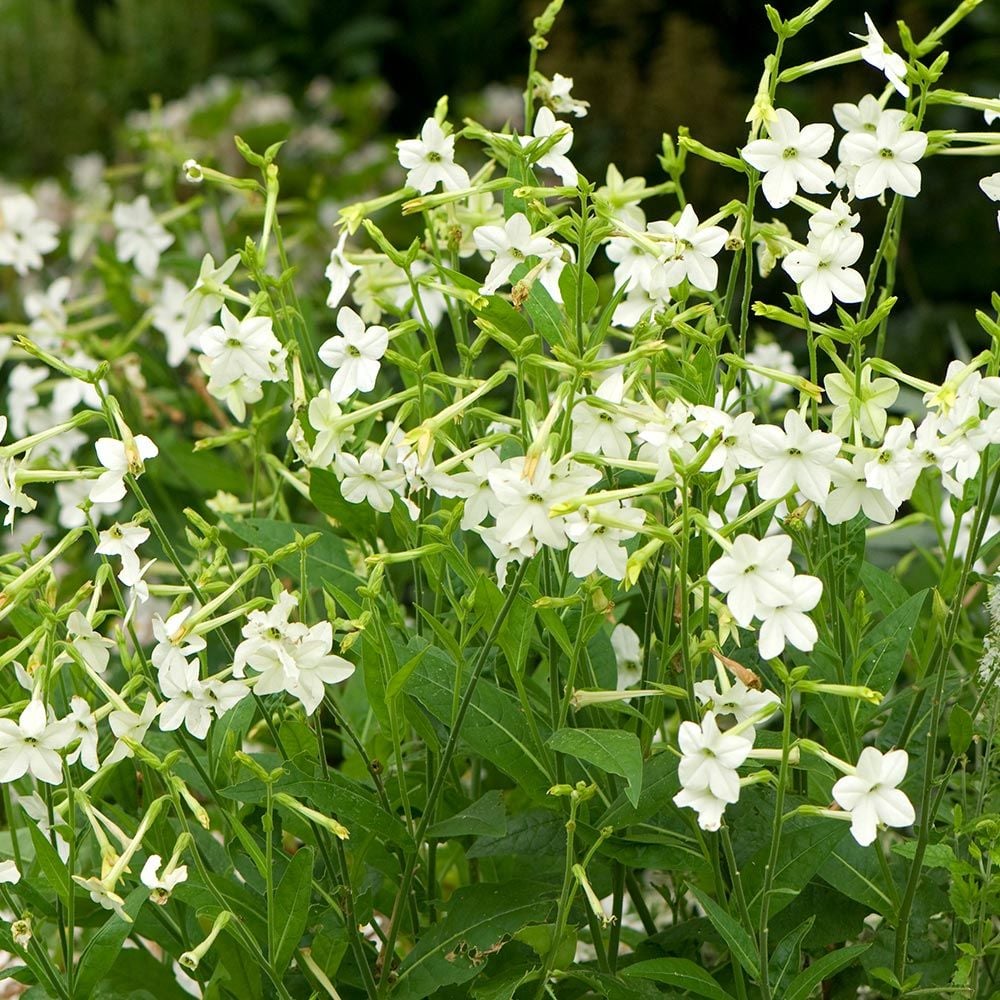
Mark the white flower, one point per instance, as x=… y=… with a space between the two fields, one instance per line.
x=790 y=158
x=771 y=355
x=47 y=311
x=430 y=159
x=597 y=547
x=94 y=648
x=628 y=655
x=240 y=349
x=885 y=159
x=838 y=218
x=339 y=272
x=991 y=188
x=556 y=94
x=128 y=724
x=555 y=159
x=169 y=315
x=24 y=237
x=140 y=237
x=474 y=488
x=186 y=704
x=173 y=643
x=203 y=302
x=871 y=794
x=895 y=467
x=10 y=874
x=851 y=493
x=752 y=574
x=862 y=406
x=876 y=53
x=161 y=885
x=737 y=700
x=32 y=744
x=707 y=769
x=788 y=622
x=356 y=355
x=822 y=270
x=84 y=723
x=119 y=459
x=122 y=540
x=367 y=480
x=598 y=429
x=324 y=418
x=794 y=458
x=510 y=244
x=506 y=552
x=688 y=250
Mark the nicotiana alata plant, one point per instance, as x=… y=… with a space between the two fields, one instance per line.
x=501 y=614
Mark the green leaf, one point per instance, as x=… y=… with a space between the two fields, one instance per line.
x=681 y=973
x=829 y=965
x=51 y=864
x=568 y=284
x=852 y=870
x=292 y=896
x=740 y=944
x=935 y=855
x=884 y=649
x=104 y=948
x=659 y=785
x=398 y=680
x=960 y=729
x=486 y=817
x=480 y=918
x=786 y=957
x=886 y=592
x=545 y=314
x=614 y=751
x=535 y=833
x=494 y=727
x=136 y=973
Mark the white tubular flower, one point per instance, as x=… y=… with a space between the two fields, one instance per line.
x=556 y=94
x=790 y=158
x=991 y=188
x=597 y=547
x=599 y=431
x=885 y=159
x=555 y=159
x=187 y=703
x=752 y=574
x=324 y=418
x=871 y=795
x=339 y=273
x=795 y=458
x=851 y=493
x=689 y=249
x=161 y=886
x=867 y=410
x=131 y=725
x=628 y=655
x=203 y=302
x=788 y=622
x=430 y=159
x=739 y=701
x=356 y=355
x=119 y=459
x=10 y=874
x=734 y=450
x=367 y=480
x=141 y=239
x=169 y=315
x=168 y=648
x=506 y=553
x=24 y=237
x=838 y=218
x=240 y=349
x=473 y=486
x=122 y=540
x=94 y=648
x=822 y=270
x=876 y=53
x=510 y=244
x=707 y=770
x=895 y=467
x=32 y=745
x=81 y=718
x=770 y=355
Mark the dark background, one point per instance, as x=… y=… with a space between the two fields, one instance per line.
x=69 y=71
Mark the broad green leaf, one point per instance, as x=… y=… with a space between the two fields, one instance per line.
x=786 y=957
x=494 y=726
x=679 y=972
x=570 y=282
x=136 y=973
x=104 y=947
x=802 y=852
x=398 y=680
x=740 y=944
x=886 y=592
x=479 y=919
x=539 y=937
x=935 y=855
x=805 y=982
x=852 y=870
x=659 y=785
x=613 y=751
x=535 y=833
x=515 y=637
x=960 y=729
x=486 y=817
x=546 y=314
x=353 y=803
x=884 y=649
x=291 y=908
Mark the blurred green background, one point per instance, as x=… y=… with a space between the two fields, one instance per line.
x=71 y=69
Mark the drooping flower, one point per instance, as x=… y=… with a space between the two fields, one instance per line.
x=878 y=54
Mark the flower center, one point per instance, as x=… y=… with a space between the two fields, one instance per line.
x=789 y=153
